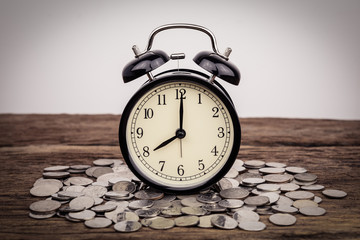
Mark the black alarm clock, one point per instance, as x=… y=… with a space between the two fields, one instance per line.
x=180 y=132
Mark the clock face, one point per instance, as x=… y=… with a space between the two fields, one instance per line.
x=180 y=135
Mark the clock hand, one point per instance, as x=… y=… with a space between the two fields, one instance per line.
x=181 y=112
x=163 y=144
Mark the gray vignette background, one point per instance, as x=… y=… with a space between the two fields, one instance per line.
x=297 y=58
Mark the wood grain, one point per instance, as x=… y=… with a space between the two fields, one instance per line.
x=29 y=143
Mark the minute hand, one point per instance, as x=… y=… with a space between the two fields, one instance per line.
x=165 y=142
x=181 y=112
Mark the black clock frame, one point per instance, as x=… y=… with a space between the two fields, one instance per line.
x=185 y=75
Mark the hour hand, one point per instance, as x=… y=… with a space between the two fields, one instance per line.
x=163 y=144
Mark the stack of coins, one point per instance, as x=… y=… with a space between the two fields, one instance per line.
x=108 y=193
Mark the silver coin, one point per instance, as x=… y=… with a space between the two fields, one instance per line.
x=169 y=197
x=231 y=203
x=256 y=200
x=44 y=190
x=238 y=165
x=259 y=192
x=224 y=183
x=295 y=170
x=272 y=170
x=67 y=209
x=127 y=226
x=56 y=169
x=252 y=181
x=127 y=216
x=312 y=211
x=137 y=204
x=44 y=206
x=234 y=193
x=94 y=191
x=74 y=188
x=305 y=177
x=81 y=181
x=146 y=221
x=252 y=226
x=116 y=195
x=191 y=202
x=246 y=215
x=114 y=180
x=149 y=194
x=313 y=187
x=172 y=211
x=103 y=162
x=282 y=219
x=284 y=209
x=235 y=183
x=48 y=181
x=275 y=164
x=161 y=223
x=213 y=208
x=104 y=208
x=304 y=203
x=333 y=193
x=197 y=211
x=98 y=222
x=247 y=175
x=299 y=195
x=106 y=177
x=82 y=201
x=317 y=199
x=289 y=187
x=284 y=201
x=268 y=187
x=82 y=215
x=224 y=222
x=119 y=204
x=90 y=171
x=56 y=175
x=300 y=183
x=124 y=186
x=147 y=213
x=101 y=171
x=277 y=178
x=113 y=215
x=41 y=216
x=80 y=167
x=210 y=197
x=205 y=221
x=273 y=196
x=161 y=204
x=186 y=221
x=254 y=164
x=70 y=194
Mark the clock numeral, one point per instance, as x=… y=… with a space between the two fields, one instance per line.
x=149 y=113
x=201 y=165
x=162 y=165
x=214 y=151
x=221 y=133
x=139 y=132
x=199 y=99
x=180 y=170
x=146 y=152
x=180 y=92
x=216 y=112
x=161 y=99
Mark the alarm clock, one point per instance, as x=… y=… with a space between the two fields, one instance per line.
x=180 y=131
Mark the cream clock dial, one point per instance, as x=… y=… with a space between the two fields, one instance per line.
x=181 y=133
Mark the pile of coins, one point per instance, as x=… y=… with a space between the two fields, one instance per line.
x=109 y=193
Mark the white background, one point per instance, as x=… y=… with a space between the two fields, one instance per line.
x=297 y=58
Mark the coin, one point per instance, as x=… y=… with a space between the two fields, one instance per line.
x=213 y=207
x=295 y=170
x=127 y=226
x=232 y=173
x=299 y=195
x=172 y=211
x=317 y=199
x=70 y=194
x=56 y=175
x=231 y=203
x=82 y=181
x=80 y=167
x=224 y=222
x=277 y=178
x=48 y=181
x=94 y=191
x=273 y=196
x=271 y=170
x=197 y=211
x=148 y=213
x=205 y=221
x=98 y=222
x=282 y=219
x=82 y=215
x=127 y=216
x=268 y=187
x=305 y=177
x=333 y=193
x=312 y=211
x=74 y=188
x=191 y=202
x=44 y=190
x=210 y=197
x=101 y=171
x=124 y=186
x=256 y=200
x=149 y=194
x=275 y=164
x=45 y=206
x=41 y=216
x=224 y=183
x=254 y=164
x=56 y=169
x=103 y=162
x=252 y=226
x=284 y=209
x=246 y=215
x=304 y=203
x=82 y=201
x=113 y=215
x=104 y=208
x=90 y=171
x=161 y=204
x=289 y=187
x=140 y=204
x=186 y=221
x=234 y=193
x=313 y=187
x=161 y=223
x=284 y=201
x=252 y=181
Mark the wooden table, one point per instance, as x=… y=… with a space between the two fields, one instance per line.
x=29 y=143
